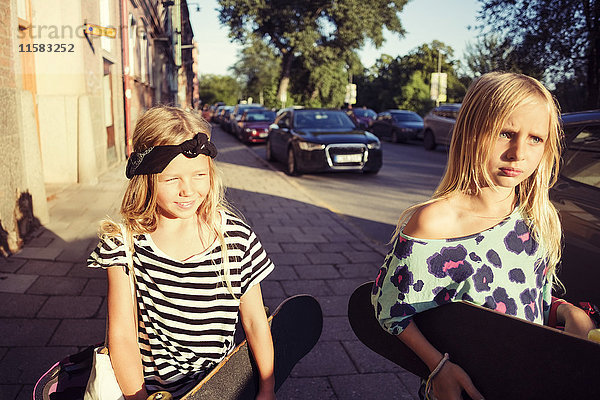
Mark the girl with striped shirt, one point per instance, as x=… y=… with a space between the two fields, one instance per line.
x=195 y=265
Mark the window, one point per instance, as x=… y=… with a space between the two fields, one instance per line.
x=582 y=157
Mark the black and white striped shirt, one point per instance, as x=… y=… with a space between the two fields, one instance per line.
x=187 y=315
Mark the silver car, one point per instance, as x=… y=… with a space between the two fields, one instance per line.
x=438 y=124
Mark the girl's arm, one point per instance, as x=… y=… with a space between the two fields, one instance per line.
x=258 y=333
x=122 y=336
x=574 y=319
x=451 y=379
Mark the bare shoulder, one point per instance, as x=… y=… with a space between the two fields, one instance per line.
x=436 y=220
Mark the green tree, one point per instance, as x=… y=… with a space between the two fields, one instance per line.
x=258 y=68
x=297 y=29
x=404 y=82
x=560 y=37
x=213 y=88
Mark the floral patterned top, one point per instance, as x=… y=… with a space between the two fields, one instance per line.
x=501 y=268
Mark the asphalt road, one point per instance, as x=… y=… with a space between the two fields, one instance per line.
x=373 y=203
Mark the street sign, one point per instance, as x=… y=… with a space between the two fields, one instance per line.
x=439 y=83
x=350 y=94
x=97 y=30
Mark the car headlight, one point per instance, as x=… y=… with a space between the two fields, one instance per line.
x=373 y=145
x=308 y=146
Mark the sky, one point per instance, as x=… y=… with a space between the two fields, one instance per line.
x=424 y=21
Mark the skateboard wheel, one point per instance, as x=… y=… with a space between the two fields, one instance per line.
x=162 y=395
x=594 y=335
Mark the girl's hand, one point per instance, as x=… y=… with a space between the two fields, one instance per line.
x=450 y=381
x=576 y=321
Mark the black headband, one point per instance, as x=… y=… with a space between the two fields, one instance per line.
x=155 y=159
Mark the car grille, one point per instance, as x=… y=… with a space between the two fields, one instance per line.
x=346 y=156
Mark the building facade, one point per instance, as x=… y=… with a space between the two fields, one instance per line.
x=74 y=77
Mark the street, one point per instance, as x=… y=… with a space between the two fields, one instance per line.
x=373 y=203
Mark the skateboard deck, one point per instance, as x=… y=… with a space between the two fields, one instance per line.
x=295 y=326
x=506 y=357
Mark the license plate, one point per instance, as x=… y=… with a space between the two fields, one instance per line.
x=263 y=134
x=347 y=158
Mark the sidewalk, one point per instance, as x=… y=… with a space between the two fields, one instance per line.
x=50 y=304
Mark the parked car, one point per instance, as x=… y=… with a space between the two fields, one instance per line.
x=221 y=113
x=438 y=124
x=362 y=117
x=397 y=125
x=236 y=114
x=253 y=126
x=577 y=198
x=313 y=140
x=224 y=118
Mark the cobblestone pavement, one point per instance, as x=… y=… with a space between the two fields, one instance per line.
x=51 y=305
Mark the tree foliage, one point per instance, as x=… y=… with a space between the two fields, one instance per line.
x=560 y=37
x=213 y=88
x=312 y=32
x=404 y=82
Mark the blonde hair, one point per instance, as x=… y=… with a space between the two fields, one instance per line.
x=489 y=102
x=166 y=125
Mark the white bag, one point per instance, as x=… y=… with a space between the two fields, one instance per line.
x=103 y=384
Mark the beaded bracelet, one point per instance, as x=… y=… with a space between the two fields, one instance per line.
x=434 y=373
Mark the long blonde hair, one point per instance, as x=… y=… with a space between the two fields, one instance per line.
x=165 y=125
x=489 y=102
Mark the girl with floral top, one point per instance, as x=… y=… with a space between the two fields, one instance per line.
x=489 y=234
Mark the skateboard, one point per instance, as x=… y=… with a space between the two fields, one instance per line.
x=506 y=357
x=295 y=326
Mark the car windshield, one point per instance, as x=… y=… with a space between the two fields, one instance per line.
x=582 y=157
x=364 y=113
x=411 y=117
x=259 y=116
x=322 y=119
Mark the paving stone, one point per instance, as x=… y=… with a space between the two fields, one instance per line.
x=339 y=237
x=304 y=238
x=313 y=287
x=316 y=271
x=364 y=257
x=327 y=258
x=411 y=381
x=39 y=253
x=306 y=388
x=345 y=286
x=285 y=230
x=316 y=230
x=16 y=283
x=289 y=258
x=25 y=365
x=369 y=386
x=283 y=272
x=325 y=359
x=20 y=305
x=40 y=241
x=334 y=247
x=96 y=287
x=271 y=289
x=70 y=307
x=337 y=328
x=298 y=247
x=25 y=393
x=77 y=251
x=368 y=272
x=11 y=264
x=36 y=267
x=57 y=285
x=81 y=270
x=103 y=310
x=334 y=305
x=79 y=332
x=271 y=248
x=367 y=361
x=10 y=392
x=26 y=332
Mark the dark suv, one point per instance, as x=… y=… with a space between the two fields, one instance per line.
x=438 y=124
x=577 y=197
